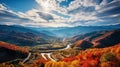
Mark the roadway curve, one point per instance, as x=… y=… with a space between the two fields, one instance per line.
x=49 y=54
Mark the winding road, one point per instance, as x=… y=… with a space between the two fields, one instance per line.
x=49 y=54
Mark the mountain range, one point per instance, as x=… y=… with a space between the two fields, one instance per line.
x=68 y=32
x=22 y=36
x=28 y=36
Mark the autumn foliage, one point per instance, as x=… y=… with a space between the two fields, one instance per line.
x=94 y=57
x=13 y=47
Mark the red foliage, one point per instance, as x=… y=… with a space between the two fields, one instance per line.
x=70 y=59
x=91 y=57
x=13 y=47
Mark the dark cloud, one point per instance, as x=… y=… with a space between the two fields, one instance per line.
x=60 y=14
x=110 y=9
x=98 y=2
x=7 y=16
x=45 y=16
x=112 y=19
x=109 y=1
x=109 y=14
x=112 y=4
x=82 y=9
x=4 y=13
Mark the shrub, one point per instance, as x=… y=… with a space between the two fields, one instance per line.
x=107 y=57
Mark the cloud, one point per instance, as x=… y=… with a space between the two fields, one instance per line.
x=45 y=16
x=2 y=7
x=111 y=8
x=51 y=13
x=9 y=17
x=110 y=13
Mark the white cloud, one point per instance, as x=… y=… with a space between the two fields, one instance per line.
x=47 y=5
x=61 y=1
x=2 y=7
x=43 y=15
x=115 y=15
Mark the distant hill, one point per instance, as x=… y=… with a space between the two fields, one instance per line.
x=99 y=38
x=68 y=32
x=22 y=36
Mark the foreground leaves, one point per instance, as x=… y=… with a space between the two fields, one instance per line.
x=94 y=57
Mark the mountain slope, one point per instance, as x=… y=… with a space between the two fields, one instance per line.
x=11 y=52
x=99 y=39
x=22 y=36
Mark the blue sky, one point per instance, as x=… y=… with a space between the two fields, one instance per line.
x=19 y=5
x=59 y=13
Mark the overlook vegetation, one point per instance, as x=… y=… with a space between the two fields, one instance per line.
x=93 y=57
